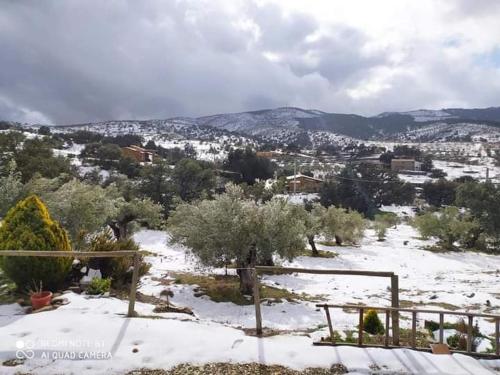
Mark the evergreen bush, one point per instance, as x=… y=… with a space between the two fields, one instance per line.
x=99 y=286
x=372 y=323
x=28 y=226
x=118 y=269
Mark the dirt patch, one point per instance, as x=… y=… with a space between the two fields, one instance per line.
x=161 y=306
x=241 y=369
x=222 y=288
x=320 y=254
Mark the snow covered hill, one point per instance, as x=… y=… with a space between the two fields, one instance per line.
x=442 y=131
x=300 y=126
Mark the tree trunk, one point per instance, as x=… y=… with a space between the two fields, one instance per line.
x=315 y=251
x=119 y=230
x=338 y=240
x=123 y=231
x=268 y=262
x=116 y=230
x=245 y=272
x=246 y=281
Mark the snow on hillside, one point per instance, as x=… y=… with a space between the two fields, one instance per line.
x=441 y=131
x=284 y=125
x=462 y=280
x=424 y=115
x=259 y=122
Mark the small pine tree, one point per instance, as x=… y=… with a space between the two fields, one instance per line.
x=28 y=226
x=372 y=323
x=117 y=269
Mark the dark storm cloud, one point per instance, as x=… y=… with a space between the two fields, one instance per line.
x=77 y=61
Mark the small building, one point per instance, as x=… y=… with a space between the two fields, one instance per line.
x=138 y=153
x=303 y=184
x=267 y=154
x=399 y=165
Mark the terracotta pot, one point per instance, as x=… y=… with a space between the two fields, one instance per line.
x=39 y=300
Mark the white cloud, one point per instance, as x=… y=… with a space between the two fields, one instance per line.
x=82 y=60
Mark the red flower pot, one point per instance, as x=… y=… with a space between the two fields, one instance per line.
x=39 y=300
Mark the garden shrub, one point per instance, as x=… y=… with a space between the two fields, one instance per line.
x=99 y=286
x=372 y=323
x=119 y=269
x=28 y=226
x=458 y=341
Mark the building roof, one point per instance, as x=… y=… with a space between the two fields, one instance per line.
x=303 y=176
x=138 y=148
x=402 y=160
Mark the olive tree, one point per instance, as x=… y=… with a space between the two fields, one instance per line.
x=132 y=213
x=449 y=225
x=231 y=228
x=314 y=222
x=10 y=188
x=333 y=223
x=81 y=208
x=84 y=209
x=343 y=225
x=382 y=222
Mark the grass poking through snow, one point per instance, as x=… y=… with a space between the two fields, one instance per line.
x=221 y=288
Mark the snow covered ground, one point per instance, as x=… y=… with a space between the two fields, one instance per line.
x=91 y=336
x=98 y=327
x=464 y=281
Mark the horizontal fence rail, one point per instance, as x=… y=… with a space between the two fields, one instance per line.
x=414 y=311
x=264 y=269
x=136 y=254
x=69 y=254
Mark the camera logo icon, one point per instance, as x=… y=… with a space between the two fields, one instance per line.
x=24 y=349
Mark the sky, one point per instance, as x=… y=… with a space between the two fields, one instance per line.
x=77 y=61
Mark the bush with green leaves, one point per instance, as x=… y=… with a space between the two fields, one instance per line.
x=28 y=226
x=372 y=323
x=99 y=286
x=231 y=228
x=458 y=341
x=449 y=225
x=345 y=226
x=82 y=208
x=482 y=200
x=382 y=222
x=10 y=187
x=118 y=269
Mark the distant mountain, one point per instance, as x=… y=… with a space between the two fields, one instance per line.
x=388 y=125
x=291 y=124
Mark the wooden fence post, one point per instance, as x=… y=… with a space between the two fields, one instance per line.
x=330 y=327
x=133 y=286
x=395 y=304
x=387 y=316
x=497 y=336
x=469 y=333
x=413 y=329
x=256 y=301
x=360 y=327
x=441 y=327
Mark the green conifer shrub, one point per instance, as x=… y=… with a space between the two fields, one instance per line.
x=28 y=226
x=99 y=286
x=118 y=269
x=372 y=323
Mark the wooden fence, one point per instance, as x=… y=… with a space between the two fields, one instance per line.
x=89 y=254
x=413 y=341
x=394 y=289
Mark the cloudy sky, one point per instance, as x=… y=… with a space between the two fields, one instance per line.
x=81 y=60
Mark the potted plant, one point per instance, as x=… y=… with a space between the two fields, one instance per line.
x=40 y=298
